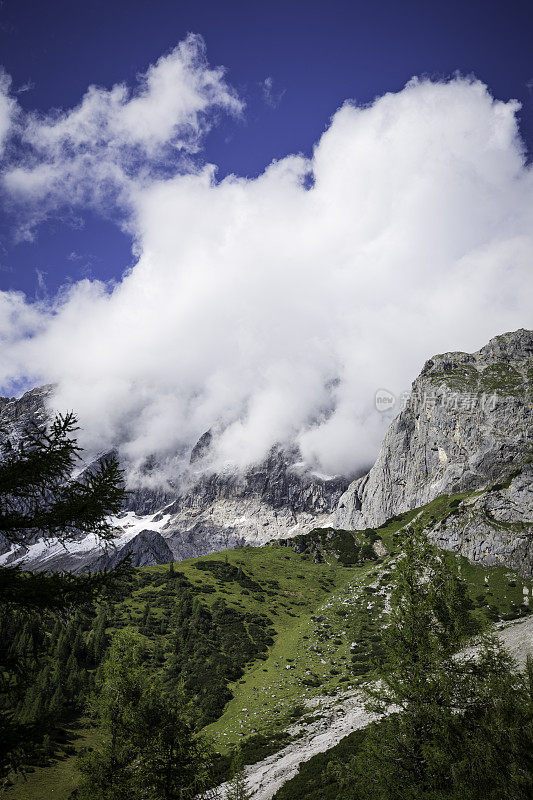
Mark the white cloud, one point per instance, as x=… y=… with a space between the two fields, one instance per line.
x=272 y=311
x=271 y=98
x=118 y=139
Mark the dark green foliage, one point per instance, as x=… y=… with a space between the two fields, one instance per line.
x=319 y=778
x=38 y=494
x=223 y=571
x=149 y=750
x=238 y=786
x=348 y=548
x=463 y=729
x=40 y=498
x=257 y=747
x=465 y=725
x=210 y=648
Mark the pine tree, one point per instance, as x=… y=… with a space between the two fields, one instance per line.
x=57 y=703
x=100 y=636
x=39 y=497
x=238 y=785
x=107 y=773
x=145 y=622
x=460 y=726
x=173 y=761
x=150 y=748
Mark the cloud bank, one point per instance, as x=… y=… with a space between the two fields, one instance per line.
x=271 y=309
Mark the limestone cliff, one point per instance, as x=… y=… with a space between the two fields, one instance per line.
x=467 y=423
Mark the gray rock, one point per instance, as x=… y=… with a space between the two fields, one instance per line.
x=467 y=423
x=203 y=511
x=144 y=550
x=494 y=527
x=201 y=448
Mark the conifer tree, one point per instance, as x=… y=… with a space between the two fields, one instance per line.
x=238 y=785
x=461 y=728
x=57 y=703
x=48 y=746
x=150 y=749
x=100 y=636
x=145 y=622
x=40 y=497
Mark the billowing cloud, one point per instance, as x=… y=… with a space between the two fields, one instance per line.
x=271 y=309
x=116 y=140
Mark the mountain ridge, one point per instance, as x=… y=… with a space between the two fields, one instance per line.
x=466 y=425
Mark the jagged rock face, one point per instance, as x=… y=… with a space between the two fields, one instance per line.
x=278 y=482
x=467 y=423
x=144 y=550
x=216 y=511
x=199 y=511
x=17 y=415
x=495 y=527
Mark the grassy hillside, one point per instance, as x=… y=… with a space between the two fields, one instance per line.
x=258 y=633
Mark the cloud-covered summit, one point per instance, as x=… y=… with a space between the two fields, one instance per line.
x=271 y=309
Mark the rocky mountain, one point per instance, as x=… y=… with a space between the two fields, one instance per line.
x=493 y=527
x=466 y=427
x=467 y=423
x=200 y=511
x=144 y=550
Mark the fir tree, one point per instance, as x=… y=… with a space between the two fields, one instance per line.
x=145 y=622
x=150 y=748
x=100 y=635
x=461 y=727
x=238 y=785
x=39 y=497
x=57 y=703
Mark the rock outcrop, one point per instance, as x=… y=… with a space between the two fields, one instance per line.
x=144 y=550
x=467 y=424
x=494 y=527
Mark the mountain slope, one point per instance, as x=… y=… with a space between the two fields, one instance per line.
x=467 y=424
x=277 y=639
x=198 y=511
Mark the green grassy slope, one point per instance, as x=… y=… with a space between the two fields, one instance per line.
x=308 y=612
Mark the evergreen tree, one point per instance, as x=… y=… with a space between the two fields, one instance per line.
x=57 y=703
x=238 y=785
x=108 y=772
x=39 y=497
x=461 y=727
x=146 y=621
x=48 y=747
x=173 y=762
x=150 y=750
x=100 y=636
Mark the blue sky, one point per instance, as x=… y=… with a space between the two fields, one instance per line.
x=353 y=222
x=314 y=54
